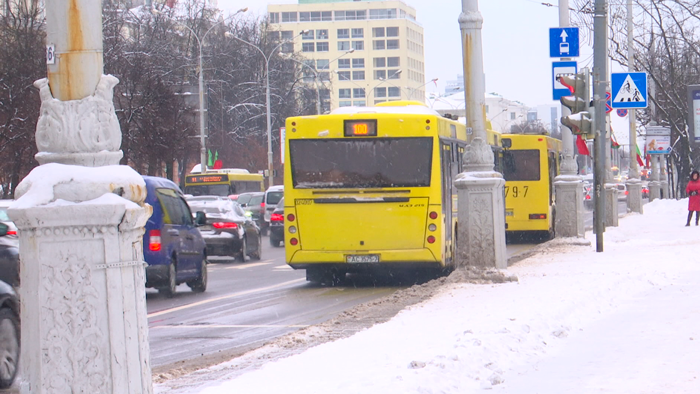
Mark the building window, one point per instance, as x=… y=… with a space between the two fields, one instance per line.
x=392 y=44
x=316 y=16
x=358 y=45
x=307 y=35
x=358 y=33
x=343 y=63
x=358 y=63
x=387 y=13
x=358 y=75
x=392 y=62
x=326 y=16
x=287 y=47
x=344 y=75
x=322 y=34
x=360 y=103
x=377 y=32
x=379 y=92
x=392 y=31
x=274 y=35
x=324 y=76
x=379 y=62
x=358 y=93
x=512 y=116
x=322 y=64
x=345 y=103
x=487 y=109
x=304 y=17
x=378 y=44
x=344 y=93
x=379 y=74
x=321 y=47
x=343 y=45
x=274 y=17
x=289 y=17
x=343 y=33
x=394 y=74
x=394 y=91
x=340 y=15
x=307 y=46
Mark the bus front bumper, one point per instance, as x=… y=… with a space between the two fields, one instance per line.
x=302 y=259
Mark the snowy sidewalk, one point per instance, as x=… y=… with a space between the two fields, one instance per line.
x=623 y=321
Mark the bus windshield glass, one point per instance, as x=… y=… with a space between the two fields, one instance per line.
x=521 y=165
x=361 y=162
x=207 y=190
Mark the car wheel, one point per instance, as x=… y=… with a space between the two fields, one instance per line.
x=199 y=285
x=274 y=241
x=9 y=347
x=257 y=255
x=243 y=252
x=171 y=288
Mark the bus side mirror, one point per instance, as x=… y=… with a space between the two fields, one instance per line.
x=200 y=218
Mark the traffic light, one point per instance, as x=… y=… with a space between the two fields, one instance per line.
x=579 y=102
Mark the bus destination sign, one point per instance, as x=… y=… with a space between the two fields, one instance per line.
x=361 y=128
x=206 y=178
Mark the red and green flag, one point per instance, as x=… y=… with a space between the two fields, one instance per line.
x=639 y=157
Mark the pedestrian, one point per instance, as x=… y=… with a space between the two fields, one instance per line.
x=693 y=192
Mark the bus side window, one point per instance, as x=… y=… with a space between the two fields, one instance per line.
x=508 y=162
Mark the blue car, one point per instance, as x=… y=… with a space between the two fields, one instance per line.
x=172 y=245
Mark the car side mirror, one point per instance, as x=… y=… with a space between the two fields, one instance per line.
x=200 y=218
x=3 y=229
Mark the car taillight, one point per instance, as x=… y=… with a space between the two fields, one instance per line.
x=154 y=240
x=588 y=197
x=627 y=192
x=220 y=225
x=277 y=217
x=11 y=232
x=262 y=206
x=538 y=216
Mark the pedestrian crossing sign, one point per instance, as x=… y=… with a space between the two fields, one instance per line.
x=629 y=90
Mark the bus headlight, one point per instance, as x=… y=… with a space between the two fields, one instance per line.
x=432 y=227
x=292 y=230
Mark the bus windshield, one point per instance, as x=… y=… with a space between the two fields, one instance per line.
x=521 y=165
x=361 y=162
x=207 y=190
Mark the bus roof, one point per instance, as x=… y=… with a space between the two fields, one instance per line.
x=402 y=109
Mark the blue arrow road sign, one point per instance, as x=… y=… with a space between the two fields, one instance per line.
x=560 y=68
x=563 y=42
x=629 y=90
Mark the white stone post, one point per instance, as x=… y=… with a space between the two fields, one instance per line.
x=568 y=186
x=655 y=184
x=663 y=178
x=80 y=217
x=481 y=217
x=634 y=183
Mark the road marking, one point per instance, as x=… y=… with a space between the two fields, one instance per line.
x=240 y=267
x=283 y=267
x=199 y=326
x=241 y=293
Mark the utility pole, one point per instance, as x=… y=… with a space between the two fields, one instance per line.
x=634 y=184
x=568 y=185
x=600 y=58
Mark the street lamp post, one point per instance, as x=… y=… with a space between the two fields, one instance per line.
x=412 y=90
x=267 y=96
x=202 y=132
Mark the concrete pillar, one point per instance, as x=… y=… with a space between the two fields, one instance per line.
x=611 y=205
x=655 y=184
x=81 y=218
x=569 y=215
x=481 y=217
x=663 y=178
x=634 y=195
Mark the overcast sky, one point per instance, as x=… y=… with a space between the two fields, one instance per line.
x=515 y=38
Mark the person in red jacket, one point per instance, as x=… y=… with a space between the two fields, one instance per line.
x=693 y=192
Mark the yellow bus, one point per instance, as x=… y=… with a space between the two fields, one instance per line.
x=371 y=188
x=223 y=182
x=530 y=163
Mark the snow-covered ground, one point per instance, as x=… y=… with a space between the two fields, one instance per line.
x=623 y=321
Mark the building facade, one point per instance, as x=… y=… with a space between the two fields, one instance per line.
x=365 y=52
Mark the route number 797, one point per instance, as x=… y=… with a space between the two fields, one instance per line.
x=516 y=191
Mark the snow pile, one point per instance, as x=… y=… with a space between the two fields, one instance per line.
x=473 y=337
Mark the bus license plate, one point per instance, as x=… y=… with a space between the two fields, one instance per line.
x=362 y=258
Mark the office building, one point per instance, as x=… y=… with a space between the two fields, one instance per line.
x=365 y=52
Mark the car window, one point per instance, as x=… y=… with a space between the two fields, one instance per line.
x=274 y=197
x=256 y=200
x=175 y=209
x=3 y=215
x=238 y=210
x=187 y=214
x=243 y=199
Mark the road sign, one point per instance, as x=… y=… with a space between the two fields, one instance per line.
x=622 y=113
x=629 y=90
x=563 y=42
x=608 y=103
x=561 y=68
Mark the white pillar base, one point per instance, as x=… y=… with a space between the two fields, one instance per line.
x=634 y=196
x=654 y=190
x=481 y=220
x=611 y=206
x=569 y=221
x=84 y=324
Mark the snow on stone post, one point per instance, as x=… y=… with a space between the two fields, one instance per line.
x=481 y=216
x=81 y=218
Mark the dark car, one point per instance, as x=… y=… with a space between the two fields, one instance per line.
x=9 y=335
x=253 y=203
x=9 y=256
x=277 y=224
x=172 y=245
x=228 y=231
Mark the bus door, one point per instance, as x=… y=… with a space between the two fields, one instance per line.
x=450 y=162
